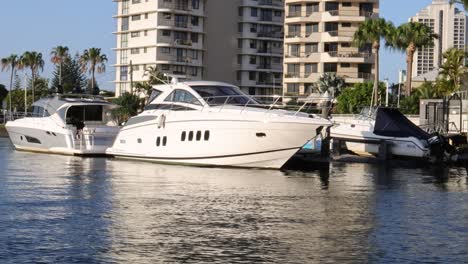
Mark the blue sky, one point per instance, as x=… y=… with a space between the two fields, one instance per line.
x=81 y=24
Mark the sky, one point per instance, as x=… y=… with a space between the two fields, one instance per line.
x=40 y=25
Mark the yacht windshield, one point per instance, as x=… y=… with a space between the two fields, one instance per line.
x=220 y=95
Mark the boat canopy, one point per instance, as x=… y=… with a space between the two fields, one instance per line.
x=390 y=122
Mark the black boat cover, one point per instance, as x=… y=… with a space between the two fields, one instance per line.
x=390 y=122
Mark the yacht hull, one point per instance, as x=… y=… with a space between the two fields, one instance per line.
x=58 y=141
x=232 y=143
x=403 y=147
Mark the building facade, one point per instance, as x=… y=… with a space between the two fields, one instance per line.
x=318 y=40
x=450 y=24
x=235 y=41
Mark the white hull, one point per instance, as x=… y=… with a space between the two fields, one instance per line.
x=268 y=160
x=57 y=140
x=239 y=143
x=404 y=147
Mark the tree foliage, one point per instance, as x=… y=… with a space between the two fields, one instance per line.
x=452 y=70
x=92 y=60
x=331 y=83
x=409 y=37
x=3 y=93
x=129 y=104
x=371 y=31
x=74 y=80
x=353 y=99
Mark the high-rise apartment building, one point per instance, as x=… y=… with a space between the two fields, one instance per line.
x=451 y=26
x=235 y=41
x=318 y=40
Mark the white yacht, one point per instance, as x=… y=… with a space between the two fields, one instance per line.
x=66 y=124
x=362 y=134
x=214 y=124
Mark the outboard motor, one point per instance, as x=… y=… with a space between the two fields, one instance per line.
x=440 y=149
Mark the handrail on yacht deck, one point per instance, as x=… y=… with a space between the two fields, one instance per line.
x=276 y=102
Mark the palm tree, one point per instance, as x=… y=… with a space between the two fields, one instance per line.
x=453 y=68
x=371 y=31
x=155 y=77
x=93 y=60
x=410 y=37
x=59 y=56
x=10 y=63
x=32 y=60
x=331 y=83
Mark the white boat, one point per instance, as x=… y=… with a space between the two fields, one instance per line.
x=214 y=124
x=362 y=134
x=66 y=124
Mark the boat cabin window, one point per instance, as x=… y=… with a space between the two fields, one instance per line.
x=154 y=94
x=39 y=111
x=78 y=115
x=181 y=96
x=220 y=95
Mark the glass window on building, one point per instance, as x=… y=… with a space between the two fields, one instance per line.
x=311 y=8
x=311 y=48
x=252 y=76
x=253 y=12
x=124 y=73
x=292 y=88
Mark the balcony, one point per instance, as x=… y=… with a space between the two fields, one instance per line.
x=176 y=6
x=341 y=54
x=182 y=42
x=267 y=34
x=270 y=50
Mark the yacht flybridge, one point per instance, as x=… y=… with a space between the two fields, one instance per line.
x=66 y=124
x=214 y=124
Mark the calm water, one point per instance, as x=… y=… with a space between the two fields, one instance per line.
x=57 y=209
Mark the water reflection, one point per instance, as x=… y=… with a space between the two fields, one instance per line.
x=73 y=210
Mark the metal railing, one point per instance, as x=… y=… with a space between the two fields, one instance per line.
x=296 y=105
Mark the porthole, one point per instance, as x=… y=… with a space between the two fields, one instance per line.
x=158 y=142
x=164 y=141
x=21 y=138
x=140 y=141
x=207 y=135
x=190 y=136
x=122 y=141
x=183 y=136
x=198 y=135
x=48 y=133
x=54 y=134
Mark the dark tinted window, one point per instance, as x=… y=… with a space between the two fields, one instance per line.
x=219 y=95
x=181 y=96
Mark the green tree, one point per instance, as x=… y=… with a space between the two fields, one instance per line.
x=129 y=104
x=3 y=93
x=10 y=63
x=409 y=105
x=427 y=90
x=372 y=31
x=409 y=37
x=17 y=100
x=32 y=60
x=92 y=60
x=353 y=99
x=59 y=56
x=331 y=83
x=73 y=79
x=453 y=69
x=41 y=85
